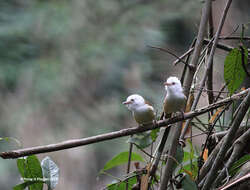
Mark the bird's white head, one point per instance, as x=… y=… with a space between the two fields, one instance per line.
x=134 y=101
x=173 y=85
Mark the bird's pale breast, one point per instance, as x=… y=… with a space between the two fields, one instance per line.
x=144 y=116
x=172 y=105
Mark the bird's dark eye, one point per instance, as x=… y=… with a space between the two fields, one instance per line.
x=132 y=100
x=173 y=83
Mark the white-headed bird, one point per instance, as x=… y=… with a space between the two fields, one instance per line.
x=175 y=98
x=143 y=113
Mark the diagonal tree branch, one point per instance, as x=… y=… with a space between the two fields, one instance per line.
x=121 y=133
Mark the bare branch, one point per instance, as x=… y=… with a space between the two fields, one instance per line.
x=129 y=161
x=179 y=59
x=210 y=69
x=220 y=45
x=234 y=38
x=121 y=133
x=171 y=53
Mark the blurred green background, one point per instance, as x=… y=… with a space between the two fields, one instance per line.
x=66 y=66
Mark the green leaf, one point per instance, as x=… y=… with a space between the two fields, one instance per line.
x=122 y=185
x=31 y=171
x=154 y=134
x=35 y=172
x=21 y=165
x=50 y=172
x=190 y=160
x=234 y=73
x=179 y=156
x=142 y=140
x=23 y=185
x=236 y=165
x=120 y=159
x=188 y=183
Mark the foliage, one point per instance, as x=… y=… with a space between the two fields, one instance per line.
x=120 y=159
x=237 y=164
x=122 y=185
x=35 y=174
x=234 y=73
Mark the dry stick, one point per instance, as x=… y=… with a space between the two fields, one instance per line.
x=197 y=127
x=220 y=45
x=129 y=161
x=210 y=61
x=147 y=154
x=218 y=96
x=187 y=84
x=187 y=59
x=208 y=164
x=121 y=133
x=188 y=52
x=236 y=181
x=159 y=153
x=210 y=69
x=196 y=135
x=228 y=139
x=206 y=90
x=234 y=38
x=170 y=52
x=206 y=42
x=200 y=122
x=238 y=147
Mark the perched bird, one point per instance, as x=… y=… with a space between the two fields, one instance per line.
x=143 y=113
x=174 y=101
x=175 y=98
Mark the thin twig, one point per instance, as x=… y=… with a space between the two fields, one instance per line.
x=220 y=92
x=210 y=133
x=200 y=122
x=184 y=71
x=188 y=52
x=196 y=135
x=170 y=52
x=149 y=155
x=236 y=181
x=220 y=45
x=129 y=160
x=206 y=90
x=233 y=38
x=210 y=69
x=197 y=127
x=159 y=153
